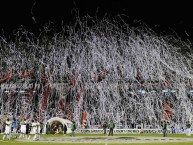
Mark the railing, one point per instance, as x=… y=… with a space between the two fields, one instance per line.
x=134 y=131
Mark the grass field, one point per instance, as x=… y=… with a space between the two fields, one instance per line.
x=16 y=142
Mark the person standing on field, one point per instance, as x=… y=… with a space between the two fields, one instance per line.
x=188 y=128
x=105 y=125
x=7 y=132
x=164 y=128
x=111 y=127
x=73 y=128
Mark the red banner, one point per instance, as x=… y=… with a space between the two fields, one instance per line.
x=167 y=111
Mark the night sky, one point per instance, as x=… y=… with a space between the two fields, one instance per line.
x=162 y=16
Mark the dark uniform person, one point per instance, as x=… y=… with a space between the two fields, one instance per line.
x=164 y=128
x=105 y=125
x=64 y=129
x=48 y=128
x=73 y=127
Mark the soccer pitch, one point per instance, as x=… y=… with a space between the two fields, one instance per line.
x=100 y=139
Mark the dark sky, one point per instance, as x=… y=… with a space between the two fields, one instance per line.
x=161 y=16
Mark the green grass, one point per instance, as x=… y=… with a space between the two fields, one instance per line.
x=14 y=142
x=145 y=135
x=40 y=143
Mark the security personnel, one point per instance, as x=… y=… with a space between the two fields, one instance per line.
x=111 y=126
